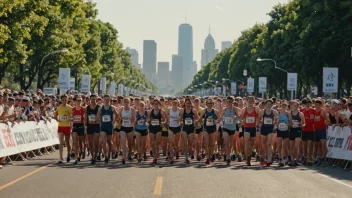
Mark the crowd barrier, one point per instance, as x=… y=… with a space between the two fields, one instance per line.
x=339 y=142
x=27 y=136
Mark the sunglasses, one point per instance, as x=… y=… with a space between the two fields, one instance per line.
x=114 y=100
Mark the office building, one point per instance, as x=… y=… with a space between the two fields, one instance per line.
x=149 y=59
x=163 y=74
x=225 y=45
x=134 y=56
x=177 y=72
x=185 y=49
x=209 y=52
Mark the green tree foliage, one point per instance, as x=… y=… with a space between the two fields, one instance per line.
x=302 y=36
x=31 y=29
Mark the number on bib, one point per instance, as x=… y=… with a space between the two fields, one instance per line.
x=63 y=118
x=250 y=120
x=268 y=121
x=283 y=126
x=295 y=123
x=209 y=122
x=106 y=118
x=155 y=122
x=228 y=120
x=91 y=118
x=77 y=118
x=317 y=118
x=126 y=121
x=140 y=122
x=188 y=121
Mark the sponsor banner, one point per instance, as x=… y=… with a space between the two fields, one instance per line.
x=112 y=88
x=291 y=81
x=85 y=86
x=233 y=88
x=330 y=79
x=64 y=78
x=72 y=83
x=120 y=90
x=339 y=142
x=103 y=84
x=27 y=136
x=250 y=85
x=262 y=84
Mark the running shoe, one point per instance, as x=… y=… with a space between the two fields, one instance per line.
x=177 y=155
x=207 y=162
x=99 y=158
x=295 y=163
x=249 y=161
x=106 y=160
x=145 y=157
x=60 y=162
x=79 y=159
x=130 y=158
x=155 y=161
x=68 y=158
x=239 y=158
x=123 y=160
x=192 y=157
x=83 y=154
x=187 y=161
x=212 y=158
x=139 y=160
x=93 y=162
x=281 y=164
x=228 y=162
x=76 y=162
x=199 y=157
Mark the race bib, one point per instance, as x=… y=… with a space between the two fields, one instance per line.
x=126 y=121
x=91 y=118
x=250 y=120
x=63 y=118
x=77 y=118
x=295 y=123
x=268 y=121
x=283 y=126
x=209 y=122
x=140 y=122
x=317 y=118
x=228 y=120
x=188 y=121
x=311 y=116
x=155 y=122
x=106 y=118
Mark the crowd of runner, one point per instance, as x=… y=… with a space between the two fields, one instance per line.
x=202 y=129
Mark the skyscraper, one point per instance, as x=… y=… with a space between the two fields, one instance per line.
x=177 y=72
x=209 y=52
x=134 y=56
x=149 y=59
x=194 y=69
x=163 y=74
x=225 y=45
x=185 y=49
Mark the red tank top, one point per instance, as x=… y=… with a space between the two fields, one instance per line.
x=250 y=118
x=319 y=122
x=309 y=116
x=78 y=115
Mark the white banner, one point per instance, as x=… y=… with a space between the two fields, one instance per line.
x=103 y=84
x=112 y=88
x=72 y=83
x=85 y=86
x=233 y=88
x=64 y=78
x=120 y=90
x=27 y=136
x=250 y=85
x=292 y=81
x=339 y=142
x=330 y=79
x=262 y=84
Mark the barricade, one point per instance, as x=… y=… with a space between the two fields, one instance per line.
x=27 y=136
x=339 y=142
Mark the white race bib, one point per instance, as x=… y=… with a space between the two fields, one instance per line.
x=295 y=123
x=77 y=118
x=283 y=126
x=91 y=118
x=317 y=118
x=228 y=120
x=209 y=122
x=126 y=121
x=250 y=120
x=188 y=121
x=106 y=118
x=155 y=122
x=140 y=122
x=268 y=120
x=63 y=118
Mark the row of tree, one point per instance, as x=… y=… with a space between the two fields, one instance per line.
x=303 y=36
x=30 y=29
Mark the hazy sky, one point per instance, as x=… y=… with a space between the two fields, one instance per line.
x=138 y=20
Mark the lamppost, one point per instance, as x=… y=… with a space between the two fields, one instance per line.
x=245 y=75
x=276 y=67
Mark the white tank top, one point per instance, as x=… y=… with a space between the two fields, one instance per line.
x=126 y=117
x=174 y=116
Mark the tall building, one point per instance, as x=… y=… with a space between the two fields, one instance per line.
x=177 y=72
x=185 y=49
x=163 y=74
x=134 y=56
x=149 y=59
x=194 y=69
x=209 y=52
x=225 y=45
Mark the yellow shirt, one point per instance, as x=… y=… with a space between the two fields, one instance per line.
x=64 y=114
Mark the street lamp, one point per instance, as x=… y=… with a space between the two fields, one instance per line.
x=64 y=50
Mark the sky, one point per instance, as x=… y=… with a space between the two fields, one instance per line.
x=138 y=20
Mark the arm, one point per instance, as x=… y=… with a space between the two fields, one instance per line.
x=303 y=119
x=181 y=116
x=148 y=116
x=259 y=116
x=201 y=115
x=217 y=113
x=276 y=119
x=98 y=119
x=133 y=117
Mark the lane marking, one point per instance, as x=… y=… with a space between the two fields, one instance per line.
x=24 y=176
x=158 y=186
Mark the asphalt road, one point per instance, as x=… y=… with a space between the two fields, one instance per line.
x=42 y=178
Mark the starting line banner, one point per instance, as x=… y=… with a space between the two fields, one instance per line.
x=339 y=142
x=27 y=136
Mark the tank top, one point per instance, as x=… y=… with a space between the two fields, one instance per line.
x=141 y=121
x=174 y=116
x=106 y=116
x=126 y=117
x=209 y=118
x=92 y=114
x=296 y=121
x=268 y=120
x=78 y=115
x=283 y=122
x=229 y=122
x=332 y=119
x=319 y=122
x=155 y=120
x=309 y=116
x=188 y=119
x=250 y=118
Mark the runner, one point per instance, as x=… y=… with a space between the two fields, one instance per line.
x=78 y=129
x=250 y=117
x=321 y=120
x=283 y=134
x=128 y=119
x=105 y=116
x=189 y=117
x=199 y=131
x=63 y=115
x=164 y=132
x=174 y=129
x=308 y=131
x=141 y=130
x=93 y=128
x=298 y=121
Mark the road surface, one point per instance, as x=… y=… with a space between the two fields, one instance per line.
x=42 y=178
